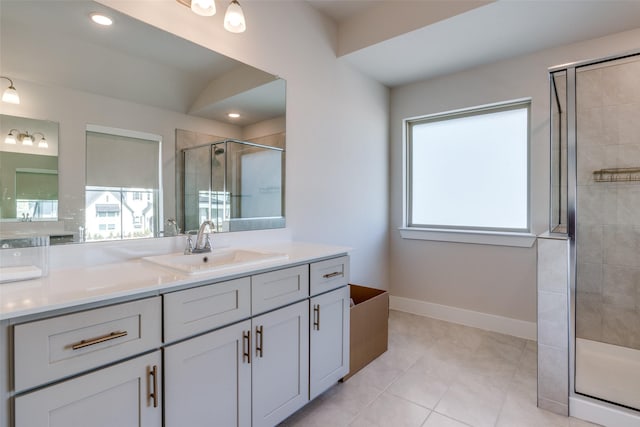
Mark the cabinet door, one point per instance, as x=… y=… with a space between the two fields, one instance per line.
x=329 y=340
x=208 y=379
x=280 y=365
x=126 y=394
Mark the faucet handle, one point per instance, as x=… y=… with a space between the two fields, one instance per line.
x=189 y=249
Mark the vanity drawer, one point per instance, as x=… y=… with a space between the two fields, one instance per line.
x=278 y=288
x=204 y=308
x=50 y=349
x=329 y=274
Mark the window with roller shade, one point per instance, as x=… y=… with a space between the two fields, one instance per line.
x=122 y=195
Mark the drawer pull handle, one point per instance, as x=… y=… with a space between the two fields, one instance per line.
x=154 y=395
x=334 y=274
x=246 y=346
x=259 y=341
x=316 y=317
x=94 y=341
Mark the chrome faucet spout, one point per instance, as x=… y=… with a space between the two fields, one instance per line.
x=203 y=243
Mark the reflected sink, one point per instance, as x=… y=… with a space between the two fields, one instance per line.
x=216 y=260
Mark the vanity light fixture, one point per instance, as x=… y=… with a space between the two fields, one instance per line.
x=25 y=138
x=11 y=138
x=101 y=19
x=233 y=115
x=234 y=18
x=203 y=7
x=234 y=21
x=10 y=94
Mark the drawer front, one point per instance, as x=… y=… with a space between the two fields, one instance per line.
x=329 y=274
x=50 y=349
x=277 y=288
x=207 y=307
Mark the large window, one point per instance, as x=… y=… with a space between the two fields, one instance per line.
x=468 y=170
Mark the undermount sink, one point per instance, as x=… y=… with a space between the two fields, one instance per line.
x=216 y=260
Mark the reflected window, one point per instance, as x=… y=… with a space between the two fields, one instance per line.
x=122 y=194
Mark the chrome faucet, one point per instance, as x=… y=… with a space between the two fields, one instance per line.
x=203 y=246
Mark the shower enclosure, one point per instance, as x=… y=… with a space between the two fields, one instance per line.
x=236 y=184
x=595 y=200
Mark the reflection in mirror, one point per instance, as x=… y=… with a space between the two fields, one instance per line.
x=123 y=192
x=28 y=169
x=128 y=76
x=237 y=184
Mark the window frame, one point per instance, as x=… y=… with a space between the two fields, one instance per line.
x=522 y=237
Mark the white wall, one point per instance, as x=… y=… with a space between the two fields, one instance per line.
x=489 y=279
x=337 y=122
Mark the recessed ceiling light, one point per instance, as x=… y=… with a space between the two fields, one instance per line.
x=233 y=115
x=101 y=19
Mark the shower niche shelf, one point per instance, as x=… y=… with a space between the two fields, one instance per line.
x=617 y=175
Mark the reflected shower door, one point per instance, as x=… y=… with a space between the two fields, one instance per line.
x=608 y=231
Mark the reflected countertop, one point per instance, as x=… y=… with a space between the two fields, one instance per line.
x=135 y=278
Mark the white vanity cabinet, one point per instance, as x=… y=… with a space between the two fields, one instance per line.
x=244 y=352
x=329 y=340
x=208 y=379
x=280 y=364
x=125 y=394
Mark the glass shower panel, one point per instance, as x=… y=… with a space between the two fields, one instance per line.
x=558 y=213
x=197 y=197
x=608 y=231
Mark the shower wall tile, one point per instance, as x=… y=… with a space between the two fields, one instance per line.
x=621 y=243
x=553 y=325
x=552 y=265
x=553 y=374
x=628 y=204
x=590 y=121
x=589 y=242
x=628 y=123
x=552 y=319
x=589 y=307
x=597 y=204
x=620 y=285
x=590 y=276
x=589 y=89
x=592 y=158
x=620 y=326
x=620 y=83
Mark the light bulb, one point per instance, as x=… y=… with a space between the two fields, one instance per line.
x=101 y=19
x=43 y=143
x=10 y=95
x=234 y=18
x=27 y=140
x=203 y=7
x=10 y=139
x=233 y=115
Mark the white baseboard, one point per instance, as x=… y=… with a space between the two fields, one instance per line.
x=476 y=319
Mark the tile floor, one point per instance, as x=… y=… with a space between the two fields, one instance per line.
x=438 y=374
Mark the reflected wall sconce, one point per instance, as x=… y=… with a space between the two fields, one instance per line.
x=234 y=21
x=25 y=138
x=10 y=94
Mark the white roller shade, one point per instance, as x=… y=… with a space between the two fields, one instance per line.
x=119 y=161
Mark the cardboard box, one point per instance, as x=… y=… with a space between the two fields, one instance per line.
x=369 y=326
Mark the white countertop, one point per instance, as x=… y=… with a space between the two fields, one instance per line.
x=71 y=287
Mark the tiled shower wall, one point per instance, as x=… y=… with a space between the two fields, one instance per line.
x=608 y=213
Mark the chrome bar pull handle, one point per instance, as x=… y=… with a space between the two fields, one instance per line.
x=316 y=317
x=259 y=338
x=334 y=274
x=246 y=346
x=98 y=340
x=153 y=372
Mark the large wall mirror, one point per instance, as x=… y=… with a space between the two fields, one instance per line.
x=130 y=78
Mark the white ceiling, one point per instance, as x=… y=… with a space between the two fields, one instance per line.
x=493 y=32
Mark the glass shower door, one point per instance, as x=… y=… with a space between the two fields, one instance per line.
x=608 y=231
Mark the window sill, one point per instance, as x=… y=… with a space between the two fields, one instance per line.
x=522 y=240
